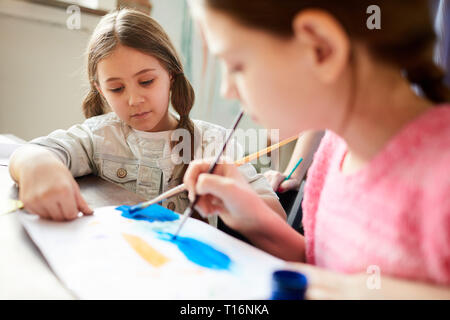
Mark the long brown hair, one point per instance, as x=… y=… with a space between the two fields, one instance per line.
x=139 y=31
x=406 y=39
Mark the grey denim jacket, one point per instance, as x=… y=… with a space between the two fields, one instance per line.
x=105 y=146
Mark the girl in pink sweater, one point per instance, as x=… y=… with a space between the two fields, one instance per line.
x=377 y=198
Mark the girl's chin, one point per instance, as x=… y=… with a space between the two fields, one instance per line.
x=149 y=127
x=283 y=131
x=287 y=134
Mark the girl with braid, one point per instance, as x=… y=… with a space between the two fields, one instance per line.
x=135 y=74
x=376 y=206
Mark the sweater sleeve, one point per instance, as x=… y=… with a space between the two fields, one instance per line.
x=313 y=189
x=435 y=225
x=73 y=146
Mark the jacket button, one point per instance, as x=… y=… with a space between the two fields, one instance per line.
x=171 y=205
x=121 y=173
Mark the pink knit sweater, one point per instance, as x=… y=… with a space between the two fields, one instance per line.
x=394 y=213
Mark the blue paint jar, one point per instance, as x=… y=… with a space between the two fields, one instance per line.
x=288 y=285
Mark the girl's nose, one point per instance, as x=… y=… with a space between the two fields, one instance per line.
x=135 y=99
x=228 y=87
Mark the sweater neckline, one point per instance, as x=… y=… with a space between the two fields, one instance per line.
x=394 y=149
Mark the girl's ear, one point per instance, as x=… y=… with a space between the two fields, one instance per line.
x=326 y=42
x=171 y=79
x=98 y=89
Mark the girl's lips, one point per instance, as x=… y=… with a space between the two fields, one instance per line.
x=140 y=115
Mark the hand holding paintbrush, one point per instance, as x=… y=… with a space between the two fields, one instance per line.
x=190 y=210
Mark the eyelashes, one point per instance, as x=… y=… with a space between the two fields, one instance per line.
x=116 y=89
x=146 y=83
x=142 y=83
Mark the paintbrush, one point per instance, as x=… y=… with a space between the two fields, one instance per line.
x=262 y=152
x=174 y=191
x=213 y=165
x=290 y=174
x=10 y=206
x=292 y=171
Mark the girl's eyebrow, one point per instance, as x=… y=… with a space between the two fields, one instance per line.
x=138 y=73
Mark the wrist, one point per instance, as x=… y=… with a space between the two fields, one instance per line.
x=294 y=176
x=42 y=161
x=257 y=223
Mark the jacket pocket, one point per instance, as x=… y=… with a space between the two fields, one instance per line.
x=178 y=203
x=118 y=171
x=151 y=177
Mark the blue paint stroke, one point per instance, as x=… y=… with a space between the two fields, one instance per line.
x=152 y=213
x=199 y=252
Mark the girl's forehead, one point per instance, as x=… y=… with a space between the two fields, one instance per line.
x=224 y=35
x=127 y=61
x=214 y=27
x=131 y=55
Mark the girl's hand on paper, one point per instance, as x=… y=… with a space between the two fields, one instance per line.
x=48 y=189
x=226 y=192
x=276 y=180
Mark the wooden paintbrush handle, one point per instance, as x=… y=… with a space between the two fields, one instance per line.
x=260 y=153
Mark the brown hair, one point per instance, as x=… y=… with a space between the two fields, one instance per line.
x=406 y=38
x=139 y=31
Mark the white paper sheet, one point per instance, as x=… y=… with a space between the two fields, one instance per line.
x=6 y=150
x=92 y=258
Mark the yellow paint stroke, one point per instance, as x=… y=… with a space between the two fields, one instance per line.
x=152 y=256
x=9 y=205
